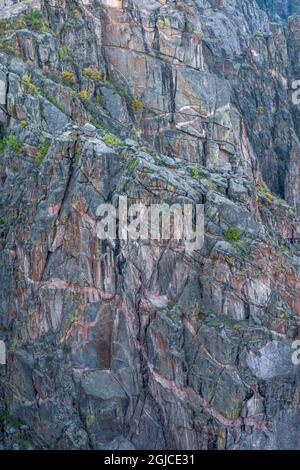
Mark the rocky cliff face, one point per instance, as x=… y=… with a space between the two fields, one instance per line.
x=277 y=9
x=115 y=345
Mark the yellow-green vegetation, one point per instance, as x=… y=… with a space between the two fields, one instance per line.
x=53 y=101
x=233 y=234
x=75 y=11
x=42 y=151
x=260 y=110
x=74 y=317
x=132 y=165
x=10 y=143
x=34 y=20
x=163 y=22
x=14 y=215
x=23 y=123
x=6 y=419
x=126 y=186
x=97 y=99
x=84 y=95
x=93 y=74
x=29 y=86
x=68 y=77
x=110 y=139
x=195 y=173
x=266 y=192
x=232 y=413
x=90 y=420
x=136 y=105
x=20 y=22
x=14 y=143
x=188 y=28
x=210 y=186
x=63 y=52
x=7 y=47
x=4 y=27
x=24 y=445
x=258 y=34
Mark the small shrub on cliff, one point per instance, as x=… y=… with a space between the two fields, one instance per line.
x=210 y=186
x=233 y=234
x=53 y=101
x=195 y=173
x=4 y=27
x=266 y=192
x=132 y=165
x=6 y=419
x=29 y=86
x=24 y=445
x=163 y=22
x=23 y=124
x=68 y=77
x=14 y=143
x=110 y=139
x=136 y=105
x=34 y=20
x=2 y=144
x=260 y=110
x=7 y=48
x=188 y=28
x=42 y=151
x=20 y=22
x=75 y=11
x=63 y=52
x=93 y=74
x=84 y=95
x=11 y=144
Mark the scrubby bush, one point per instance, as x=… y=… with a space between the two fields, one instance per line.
x=93 y=74
x=68 y=77
x=34 y=20
x=110 y=139
x=210 y=186
x=136 y=105
x=233 y=234
x=29 y=86
x=63 y=52
x=42 y=151
x=7 y=47
x=195 y=173
x=266 y=192
x=84 y=95
x=23 y=124
x=260 y=110
x=10 y=143
x=163 y=22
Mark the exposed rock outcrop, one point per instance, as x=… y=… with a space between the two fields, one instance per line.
x=137 y=345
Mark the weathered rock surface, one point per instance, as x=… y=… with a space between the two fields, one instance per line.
x=114 y=345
